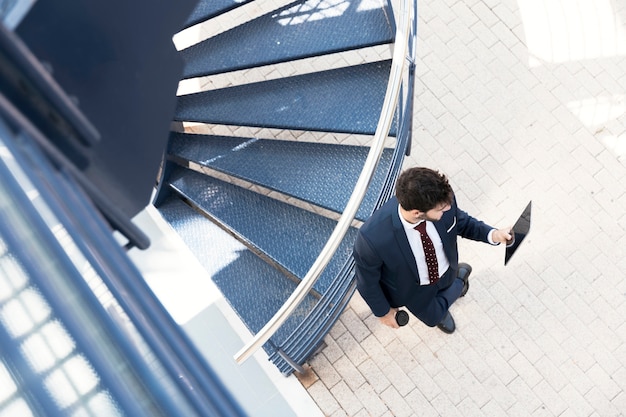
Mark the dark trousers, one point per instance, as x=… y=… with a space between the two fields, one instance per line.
x=445 y=292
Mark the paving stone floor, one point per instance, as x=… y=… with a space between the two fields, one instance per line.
x=515 y=101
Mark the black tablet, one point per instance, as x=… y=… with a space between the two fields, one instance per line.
x=519 y=231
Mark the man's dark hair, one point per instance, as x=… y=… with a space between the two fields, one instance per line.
x=422 y=189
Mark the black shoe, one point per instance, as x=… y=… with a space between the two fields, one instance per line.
x=446 y=324
x=464 y=272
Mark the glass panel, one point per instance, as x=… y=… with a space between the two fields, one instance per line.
x=43 y=344
x=48 y=347
x=14 y=279
x=71 y=381
x=7 y=386
x=17 y=408
x=24 y=312
x=98 y=405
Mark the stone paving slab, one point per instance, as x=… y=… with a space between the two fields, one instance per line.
x=515 y=101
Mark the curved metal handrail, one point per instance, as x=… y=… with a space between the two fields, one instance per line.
x=382 y=130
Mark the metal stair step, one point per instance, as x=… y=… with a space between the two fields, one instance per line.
x=207 y=9
x=288 y=236
x=302 y=29
x=321 y=174
x=343 y=100
x=254 y=289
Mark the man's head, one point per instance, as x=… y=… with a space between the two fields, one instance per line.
x=424 y=194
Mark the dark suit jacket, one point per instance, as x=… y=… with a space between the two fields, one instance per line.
x=386 y=271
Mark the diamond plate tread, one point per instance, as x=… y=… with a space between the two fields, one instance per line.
x=322 y=174
x=290 y=236
x=343 y=100
x=207 y=9
x=302 y=29
x=254 y=289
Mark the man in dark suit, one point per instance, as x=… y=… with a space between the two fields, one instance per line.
x=406 y=253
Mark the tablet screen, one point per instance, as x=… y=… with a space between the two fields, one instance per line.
x=520 y=230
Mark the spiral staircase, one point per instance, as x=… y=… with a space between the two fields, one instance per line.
x=289 y=128
x=275 y=119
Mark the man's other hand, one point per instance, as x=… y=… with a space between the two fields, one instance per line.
x=389 y=319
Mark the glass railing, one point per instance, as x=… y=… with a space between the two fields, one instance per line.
x=46 y=323
x=80 y=331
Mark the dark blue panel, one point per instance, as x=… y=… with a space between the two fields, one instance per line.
x=303 y=29
x=288 y=235
x=345 y=100
x=322 y=174
x=206 y=9
x=253 y=288
x=27 y=85
x=118 y=60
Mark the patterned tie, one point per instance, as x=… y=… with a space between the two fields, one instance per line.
x=429 y=252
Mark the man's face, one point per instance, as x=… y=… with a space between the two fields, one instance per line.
x=433 y=214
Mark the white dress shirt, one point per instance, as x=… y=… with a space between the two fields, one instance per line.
x=415 y=241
